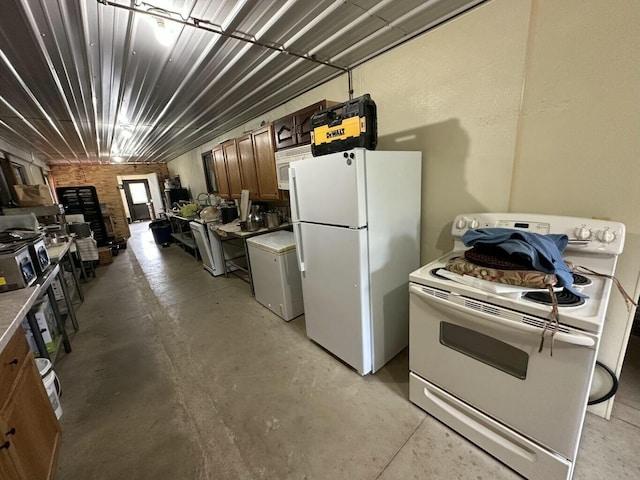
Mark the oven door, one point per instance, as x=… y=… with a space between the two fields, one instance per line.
x=487 y=357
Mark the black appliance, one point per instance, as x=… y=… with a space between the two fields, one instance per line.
x=175 y=195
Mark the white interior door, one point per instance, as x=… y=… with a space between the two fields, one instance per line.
x=335 y=289
x=329 y=189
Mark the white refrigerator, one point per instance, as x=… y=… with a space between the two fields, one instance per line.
x=356 y=219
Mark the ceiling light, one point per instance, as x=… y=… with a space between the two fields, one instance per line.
x=165 y=31
x=117 y=159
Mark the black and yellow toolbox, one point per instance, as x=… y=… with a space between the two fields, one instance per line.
x=345 y=126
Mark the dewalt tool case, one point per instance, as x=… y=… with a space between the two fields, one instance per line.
x=345 y=126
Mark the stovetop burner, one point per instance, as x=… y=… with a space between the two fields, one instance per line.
x=435 y=273
x=581 y=280
x=565 y=298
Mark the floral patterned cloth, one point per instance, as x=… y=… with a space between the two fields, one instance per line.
x=519 y=278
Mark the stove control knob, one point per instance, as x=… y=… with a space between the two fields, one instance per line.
x=461 y=223
x=473 y=224
x=606 y=235
x=583 y=233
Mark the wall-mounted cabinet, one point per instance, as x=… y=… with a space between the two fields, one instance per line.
x=220 y=168
x=295 y=129
x=248 y=168
x=232 y=161
x=263 y=147
x=248 y=163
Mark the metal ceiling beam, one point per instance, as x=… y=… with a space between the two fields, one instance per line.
x=211 y=27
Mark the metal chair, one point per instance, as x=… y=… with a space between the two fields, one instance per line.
x=87 y=251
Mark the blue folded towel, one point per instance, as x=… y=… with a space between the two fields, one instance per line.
x=543 y=251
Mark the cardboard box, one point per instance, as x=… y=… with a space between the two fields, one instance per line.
x=105 y=257
x=46 y=325
x=33 y=195
x=57 y=288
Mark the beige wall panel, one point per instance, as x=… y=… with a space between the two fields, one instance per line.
x=522 y=106
x=189 y=167
x=579 y=148
x=454 y=94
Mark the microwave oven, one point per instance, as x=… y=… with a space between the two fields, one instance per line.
x=284 y=157
x=16 y=267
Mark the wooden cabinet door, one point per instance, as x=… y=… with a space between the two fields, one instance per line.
x=221 y=172
x=30 y=427
x=285 y=135
x=248 y=166
x=8 y=471
x=303 y=122
x=233 y=168
x=263 y=145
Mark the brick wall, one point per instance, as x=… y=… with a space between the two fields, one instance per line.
x=104 y=178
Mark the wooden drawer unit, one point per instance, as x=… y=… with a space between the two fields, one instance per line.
x=29 y=429
x=11 y=360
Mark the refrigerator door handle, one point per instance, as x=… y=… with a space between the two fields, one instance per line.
x=294 y=194
x=298 y=238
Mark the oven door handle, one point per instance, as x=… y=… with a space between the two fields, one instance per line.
x=570 y=338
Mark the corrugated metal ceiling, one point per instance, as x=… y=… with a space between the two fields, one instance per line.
x=85 y=81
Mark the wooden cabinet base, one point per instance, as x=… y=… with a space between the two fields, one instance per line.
x=29 y=430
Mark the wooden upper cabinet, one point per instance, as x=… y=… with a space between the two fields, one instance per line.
x=233 y=168
x=285 y=132
x=263 y=145
x=295 y=129
x=248 y=166
x=220 y=167
x=303 y=121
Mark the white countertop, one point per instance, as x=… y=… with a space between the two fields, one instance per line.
x=15 y=304
x=231 y=230
x=58 y=250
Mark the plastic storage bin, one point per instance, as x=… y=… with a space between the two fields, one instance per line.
x=275 y=274
x=51 y=384
x=161 y=230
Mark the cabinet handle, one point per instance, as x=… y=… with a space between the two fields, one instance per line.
x=5 y=445
x=11 y=432
x=13 y=362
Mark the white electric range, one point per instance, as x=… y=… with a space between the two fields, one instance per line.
x=474 y=346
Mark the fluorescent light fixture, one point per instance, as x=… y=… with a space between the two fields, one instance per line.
x=117 y=159
x=165 y=31
x=126 y=133
x=164 y=28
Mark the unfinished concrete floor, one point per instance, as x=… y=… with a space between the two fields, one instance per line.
x=178 y=375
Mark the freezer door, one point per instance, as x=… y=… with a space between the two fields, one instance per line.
x=330 y=189
x=335 y=289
